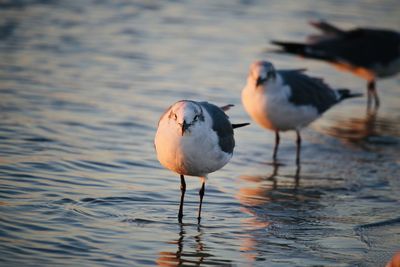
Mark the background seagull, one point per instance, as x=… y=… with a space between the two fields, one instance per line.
x=194 y=138
x=282 y=100
x=367 y=53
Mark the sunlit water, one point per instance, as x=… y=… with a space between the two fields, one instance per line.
x=82 y=86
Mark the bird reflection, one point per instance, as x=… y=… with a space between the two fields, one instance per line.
x=181 y=257
x=354 y=129
x=258 y=195
x=359 y=130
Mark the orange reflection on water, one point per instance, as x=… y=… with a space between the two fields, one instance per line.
x=253 y=196
x=356 y=129
x=256 y=192
x=169 y=259
x=247 y=242
x=395 y=261
x=257 y=187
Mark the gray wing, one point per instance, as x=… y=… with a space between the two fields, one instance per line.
x=307 y=90
x=222 y=126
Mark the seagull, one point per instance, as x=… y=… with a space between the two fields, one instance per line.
x=367 y=53
x=282 y=100
x=195 y=139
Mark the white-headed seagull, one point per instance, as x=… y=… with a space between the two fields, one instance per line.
x=282 y=100
x=195 y=139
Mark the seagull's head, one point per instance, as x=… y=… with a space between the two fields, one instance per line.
x=261 y=72
x=186 y=115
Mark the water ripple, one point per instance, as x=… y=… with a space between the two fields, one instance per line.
x=82 y=88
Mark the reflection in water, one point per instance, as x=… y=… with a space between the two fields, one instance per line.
x=258 y=195
x=191 y=250
x=370 y=128
x=281 y=207
x=182 y=257
x=82 y=84
x=248 y=244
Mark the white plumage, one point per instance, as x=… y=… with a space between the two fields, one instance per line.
x=282 y=100
x=194 y=153
x=271 y=108
x=194 y=138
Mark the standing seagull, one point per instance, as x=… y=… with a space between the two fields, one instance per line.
x=194 y=138
x=282 y=100
x=367 y=53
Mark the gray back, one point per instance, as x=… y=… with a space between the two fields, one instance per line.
x=221 y=125
x=308 y=90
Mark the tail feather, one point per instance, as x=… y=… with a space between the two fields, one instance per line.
x=327 y=27
x=238 y=125
x=226 y=107
x=291 y=47
x=346 y=93
x=305 y=50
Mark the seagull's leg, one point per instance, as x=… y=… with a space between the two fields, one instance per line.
x=372 y=92
x=276 y=145
x=375 y=93
x=298 y=142
x=183 y=190
x=201 y=193
x=297 y=177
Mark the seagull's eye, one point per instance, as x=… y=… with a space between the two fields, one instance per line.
x=196 y=118
x=173 y=116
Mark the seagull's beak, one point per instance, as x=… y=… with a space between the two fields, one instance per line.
x=184 y=126
x=260 y=80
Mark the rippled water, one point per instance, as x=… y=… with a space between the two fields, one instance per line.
x=82 y=85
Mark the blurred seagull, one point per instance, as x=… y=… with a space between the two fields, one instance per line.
x=282 y=100
x=194 y=138
x=367 y=53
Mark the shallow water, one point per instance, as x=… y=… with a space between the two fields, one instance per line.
x=82 y=87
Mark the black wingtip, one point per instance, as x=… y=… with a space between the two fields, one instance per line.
x=354 y=95
x=346 y=93
x=238 y=125
x=226 y=107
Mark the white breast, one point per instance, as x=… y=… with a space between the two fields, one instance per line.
x=195 y=153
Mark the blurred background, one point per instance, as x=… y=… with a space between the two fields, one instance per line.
x=82 y=86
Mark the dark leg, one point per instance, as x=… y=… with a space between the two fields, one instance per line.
x=298 y=142
x=372 y=93
x=183 y=190
x=272 y=177
x=369 y=98
x=277 y=139
x=377 y=101
x=297 y=177
x=201 y=193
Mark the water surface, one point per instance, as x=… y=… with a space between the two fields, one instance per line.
x=82 y=86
